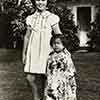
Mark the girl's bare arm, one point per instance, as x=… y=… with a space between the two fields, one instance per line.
x=56 y=29
x=26 y=40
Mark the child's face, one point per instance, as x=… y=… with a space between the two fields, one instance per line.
x=41 y=4
x=57 y=45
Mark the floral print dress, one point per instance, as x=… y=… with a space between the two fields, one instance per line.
x=61 y=84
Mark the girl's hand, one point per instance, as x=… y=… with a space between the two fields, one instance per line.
x=73 y=97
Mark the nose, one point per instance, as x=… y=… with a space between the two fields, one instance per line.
x=55 y=44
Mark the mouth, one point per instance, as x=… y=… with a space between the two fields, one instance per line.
x=40 y=6
x=56 y=48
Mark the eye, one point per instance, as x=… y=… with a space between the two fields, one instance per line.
x=40 y=0
x=37 y=0
x=43 y=0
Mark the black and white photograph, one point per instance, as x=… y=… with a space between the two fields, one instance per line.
x=49 y=49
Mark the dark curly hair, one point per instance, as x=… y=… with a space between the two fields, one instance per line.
x=49 y=2
x=61 y=37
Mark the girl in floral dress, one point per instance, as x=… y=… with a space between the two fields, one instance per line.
x=61 y=84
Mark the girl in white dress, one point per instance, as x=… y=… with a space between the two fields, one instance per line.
x=36 y=44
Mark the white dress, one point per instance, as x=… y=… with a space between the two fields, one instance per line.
x=39 y=42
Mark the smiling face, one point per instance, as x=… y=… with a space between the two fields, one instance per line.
x=57 y=45
x=41 y=5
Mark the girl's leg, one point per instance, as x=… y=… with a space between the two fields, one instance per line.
x=32 y=82
x=41 y=85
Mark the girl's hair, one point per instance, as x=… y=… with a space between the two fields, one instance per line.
x=49 y=2
x=61 y=37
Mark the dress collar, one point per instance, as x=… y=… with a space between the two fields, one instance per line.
x=65 y=51
x=43 y=14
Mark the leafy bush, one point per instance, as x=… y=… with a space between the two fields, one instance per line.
x=67 y=26
x=94 y=34
x=18 y=13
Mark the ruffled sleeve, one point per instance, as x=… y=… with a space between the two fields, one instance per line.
x=54 y=19
x=70 y=65
x=28 y=20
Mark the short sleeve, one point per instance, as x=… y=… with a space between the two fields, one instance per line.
x=28 y=20
x=70 y=66
x=54 y=19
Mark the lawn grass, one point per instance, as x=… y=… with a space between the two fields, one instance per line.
x=13 y=85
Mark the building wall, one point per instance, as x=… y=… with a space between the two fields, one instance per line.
x=73 y=5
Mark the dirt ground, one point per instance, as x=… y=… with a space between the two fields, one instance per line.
x=13 y=85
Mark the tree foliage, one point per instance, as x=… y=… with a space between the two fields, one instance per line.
x=94 y=34
x=67 y=25
x=18 y=13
